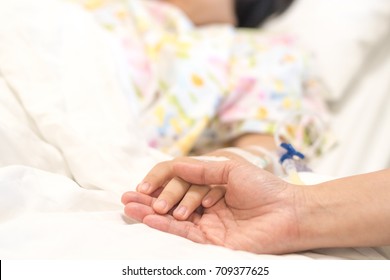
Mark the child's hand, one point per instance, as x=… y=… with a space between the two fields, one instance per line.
x=178 y=196
x=174 y=194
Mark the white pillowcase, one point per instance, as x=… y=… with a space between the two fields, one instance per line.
x=341 y=34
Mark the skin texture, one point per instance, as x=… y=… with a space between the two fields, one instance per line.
x=262 y=214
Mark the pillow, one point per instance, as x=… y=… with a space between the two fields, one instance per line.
x=341 y=35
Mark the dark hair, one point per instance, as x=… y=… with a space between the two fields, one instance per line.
x=282 y=5
x=251 y=13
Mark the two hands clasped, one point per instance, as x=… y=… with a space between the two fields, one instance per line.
x=233 y=203
x=220 y=206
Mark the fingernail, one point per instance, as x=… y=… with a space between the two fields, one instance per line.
x=144 y=187
x=207 y=201
x=160 y=204
x=181 y=211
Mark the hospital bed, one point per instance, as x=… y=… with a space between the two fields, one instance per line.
x=350 y=40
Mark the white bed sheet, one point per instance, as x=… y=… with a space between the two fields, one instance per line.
x=361 y=121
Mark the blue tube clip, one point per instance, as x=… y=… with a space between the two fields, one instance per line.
x=290 y=152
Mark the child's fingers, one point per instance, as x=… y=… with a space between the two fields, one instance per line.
x=159 y=175
x=190 y=202
x=155 y=178
x=213 y=196
x=157 y=192
x=172 y=193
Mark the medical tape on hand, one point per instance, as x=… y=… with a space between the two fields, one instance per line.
x=255 y=160
x=270 y=157
x=210 y=158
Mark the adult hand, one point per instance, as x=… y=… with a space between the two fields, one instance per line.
x=259 y=213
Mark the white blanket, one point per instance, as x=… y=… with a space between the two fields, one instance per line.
x=70 y=146
x=48 y=216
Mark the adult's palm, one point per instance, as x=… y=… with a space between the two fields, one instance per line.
x=257 y=214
